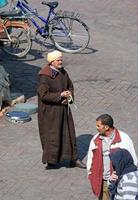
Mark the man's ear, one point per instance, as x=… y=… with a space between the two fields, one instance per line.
x=106 y=127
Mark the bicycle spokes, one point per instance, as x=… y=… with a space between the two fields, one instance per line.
x=69 y=34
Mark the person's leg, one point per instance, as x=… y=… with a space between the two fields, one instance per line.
x=105 y=193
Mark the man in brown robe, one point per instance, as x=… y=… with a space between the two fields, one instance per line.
x=56 y=125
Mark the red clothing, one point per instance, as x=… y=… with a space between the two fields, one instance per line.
x=96 y=175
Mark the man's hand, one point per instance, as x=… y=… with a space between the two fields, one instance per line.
x=113 y=176
x=65 y=94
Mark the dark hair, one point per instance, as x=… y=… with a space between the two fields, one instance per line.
x=106 y=120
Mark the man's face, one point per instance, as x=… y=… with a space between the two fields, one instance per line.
x=57 y=63
x=101 y=128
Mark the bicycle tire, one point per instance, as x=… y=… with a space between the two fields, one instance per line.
x=69 y=34
x=21 y=42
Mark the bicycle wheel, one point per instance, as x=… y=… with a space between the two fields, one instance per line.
x=69 y=34
x=20 y=43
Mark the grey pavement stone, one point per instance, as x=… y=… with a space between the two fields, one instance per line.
x=105 y=81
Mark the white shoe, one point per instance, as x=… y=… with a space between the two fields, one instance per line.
x=20 y=99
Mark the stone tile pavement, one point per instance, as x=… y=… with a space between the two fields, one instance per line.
x=105 y=79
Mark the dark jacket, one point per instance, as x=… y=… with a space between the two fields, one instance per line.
x=122 y=163
x=56 y=126
x=4 y=86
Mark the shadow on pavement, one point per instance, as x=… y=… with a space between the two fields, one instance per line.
x=23 y=76
x=83 y=142
x=88 y=50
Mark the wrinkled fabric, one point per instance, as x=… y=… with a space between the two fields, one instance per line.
x=55 y=122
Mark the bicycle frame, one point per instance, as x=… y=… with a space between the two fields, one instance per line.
x=60 y=27
x=27 y=10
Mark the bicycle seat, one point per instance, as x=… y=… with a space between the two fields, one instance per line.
x=8 y=14
x=52 y=4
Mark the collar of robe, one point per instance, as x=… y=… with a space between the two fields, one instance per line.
x=50 y=71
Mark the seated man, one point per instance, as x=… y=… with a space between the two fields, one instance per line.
x=5 y=98
x=5 y=95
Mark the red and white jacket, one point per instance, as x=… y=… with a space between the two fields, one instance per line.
x=95 y=158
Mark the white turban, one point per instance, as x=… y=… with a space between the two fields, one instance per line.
x=53 y=55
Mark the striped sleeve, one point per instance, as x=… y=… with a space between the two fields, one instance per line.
x=127 y=187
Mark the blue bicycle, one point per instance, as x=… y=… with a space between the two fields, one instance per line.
x=67 y=32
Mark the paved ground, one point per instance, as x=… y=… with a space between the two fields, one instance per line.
x=105 y=80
